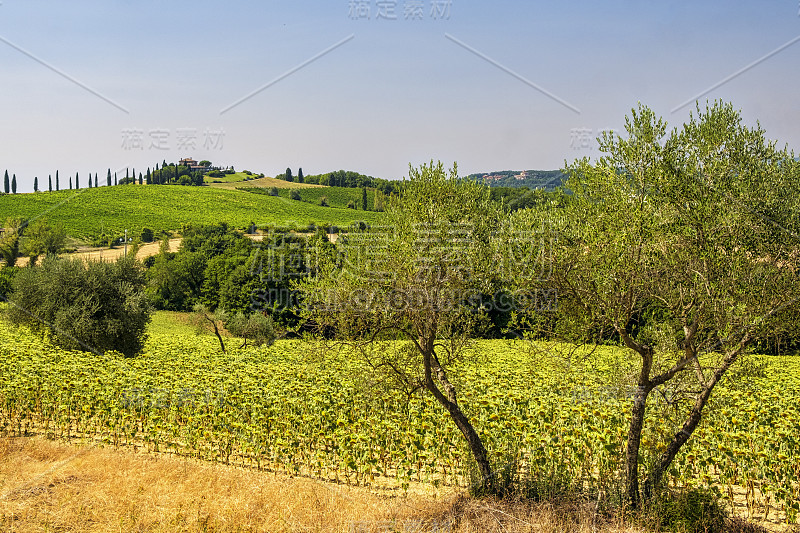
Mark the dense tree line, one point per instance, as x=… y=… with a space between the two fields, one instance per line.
x=221 y=268
x=344 y=178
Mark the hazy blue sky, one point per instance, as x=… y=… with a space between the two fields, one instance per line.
x=149 y=80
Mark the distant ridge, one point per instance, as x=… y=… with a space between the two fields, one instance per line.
x=533 y=179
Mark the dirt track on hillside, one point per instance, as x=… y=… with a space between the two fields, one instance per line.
x=146 y=250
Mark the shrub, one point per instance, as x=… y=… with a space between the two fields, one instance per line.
x=323 y=201
x=93 y=307
x=146 y=235
x=351 y=205
x=690 y=511
x=6 y=280
x=295 y=194
x=273 y=191
x=258 y=328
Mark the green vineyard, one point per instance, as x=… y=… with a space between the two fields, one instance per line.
x=303 y=409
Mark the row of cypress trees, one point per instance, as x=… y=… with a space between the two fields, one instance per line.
x=155 y=178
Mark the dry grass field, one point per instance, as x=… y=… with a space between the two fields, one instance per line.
x=54 y=486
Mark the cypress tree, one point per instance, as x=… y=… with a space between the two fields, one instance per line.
x=127 y=176
x=70 y=183
x=140 y=178
x=6 y=185
x=36 y=184
x=77 y=183
x=108 y=178
x=364 y=198
x=95 y=179
x=90 y=180
x=14 y=184
x=115 y=178
x=147 y=177
x=49 y=183
x=300 y=175
x=288 y=175
x=133 y=177
x=57 y=187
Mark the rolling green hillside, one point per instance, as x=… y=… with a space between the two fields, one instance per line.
x=337 y=196
x=89 y=212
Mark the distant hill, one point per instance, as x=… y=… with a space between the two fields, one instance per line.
x=533 y=179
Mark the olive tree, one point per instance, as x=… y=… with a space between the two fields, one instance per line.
x=95 y=306
x=685 y=247
x=413 y=279
x=42 y=239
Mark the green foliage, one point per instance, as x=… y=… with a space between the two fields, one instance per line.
x=323 y=201
x=294 y=194
x=273 y=191
x=256 y=327
x=680 y=244
x=93 y=307
x=695 y=510
x=146 y=235
x=42 y=239
x=10 y=240
x=6 y=280
x=223 y=269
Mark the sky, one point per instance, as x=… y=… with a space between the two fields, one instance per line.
x=373 y=85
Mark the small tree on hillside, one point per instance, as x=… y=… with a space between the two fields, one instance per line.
x=57 y=186
x=6 y=183
x=14 y=184
x=77 y=183
x=363 y=198
x=108 y=178
x=288 y=175
x=299 y=175
x=49 y=183
x=95 y=179
x=36 y=184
